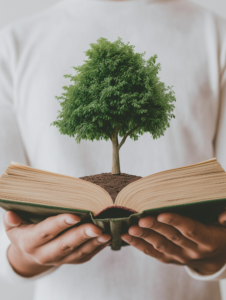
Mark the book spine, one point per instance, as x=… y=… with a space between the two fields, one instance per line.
x=116 y=228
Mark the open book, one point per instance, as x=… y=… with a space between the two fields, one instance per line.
x=197 y=191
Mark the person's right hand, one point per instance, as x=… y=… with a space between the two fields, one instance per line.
x=35 y=248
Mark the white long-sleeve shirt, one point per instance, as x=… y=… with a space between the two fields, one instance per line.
x=36 y=52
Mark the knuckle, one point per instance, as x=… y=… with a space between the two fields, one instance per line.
x=162 y=246
x=45 y=235
x=176 y=238
x=154 y=224
x=65 y=247
x=81 y=253
x=147 y=251
x=191 y=233
x=145 y=234
x=134 y=242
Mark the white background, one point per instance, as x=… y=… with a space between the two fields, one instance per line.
x=11 y=10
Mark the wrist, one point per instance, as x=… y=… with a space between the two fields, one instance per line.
x=221 y=274
x=206 y=269
x=23 y=264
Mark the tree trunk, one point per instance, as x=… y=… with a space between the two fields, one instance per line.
x=115 y=154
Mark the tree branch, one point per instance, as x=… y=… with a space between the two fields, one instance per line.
x=116 y=130
x=123 y=131
x=126 y=135
x=115 y=133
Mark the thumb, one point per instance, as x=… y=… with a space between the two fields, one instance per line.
x=222 y=218
x=11 y=220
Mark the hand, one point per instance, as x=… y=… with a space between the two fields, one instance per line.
x=175 y=239
x=36 y=248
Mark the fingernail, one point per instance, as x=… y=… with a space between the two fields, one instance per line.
x=103 y=239
x=12 y=225
x=17 y=220
x=70 y=221
x=167 y=220
x=146 y=224
x=138 y=232
x=126 y=238
x=90 y=233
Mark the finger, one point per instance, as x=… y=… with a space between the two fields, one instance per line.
x=68 y=242
x=95 y=252
x=86 y=251
x=91 y=255
x=222 y=218
x=29 y=236
x=11 y=220
x=143 y=246
x=168 y=231
x=158 y=241
x=191 y=229
x=48 y=229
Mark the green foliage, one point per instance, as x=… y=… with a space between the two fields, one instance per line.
x=115 y=88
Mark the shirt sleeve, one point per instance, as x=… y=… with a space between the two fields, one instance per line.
x=11 y=145
x=220 y=138
x=221 y=274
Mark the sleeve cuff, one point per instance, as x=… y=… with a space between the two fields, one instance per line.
x=13 y=277
x=221 y=274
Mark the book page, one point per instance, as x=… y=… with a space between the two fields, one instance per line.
x=195 y=183
x=25 y=184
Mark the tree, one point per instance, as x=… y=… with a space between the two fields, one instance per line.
x=115 y=93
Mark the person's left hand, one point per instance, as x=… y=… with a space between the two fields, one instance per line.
x=172 y=238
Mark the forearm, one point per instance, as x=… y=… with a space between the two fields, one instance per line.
x=23 y=264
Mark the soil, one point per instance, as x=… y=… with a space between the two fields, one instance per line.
x=113 y=184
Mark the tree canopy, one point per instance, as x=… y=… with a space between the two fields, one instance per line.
x=116 y=92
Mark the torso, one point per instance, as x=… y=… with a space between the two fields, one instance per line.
x=177 y=33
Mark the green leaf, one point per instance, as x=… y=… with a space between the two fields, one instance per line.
x=115 y=87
